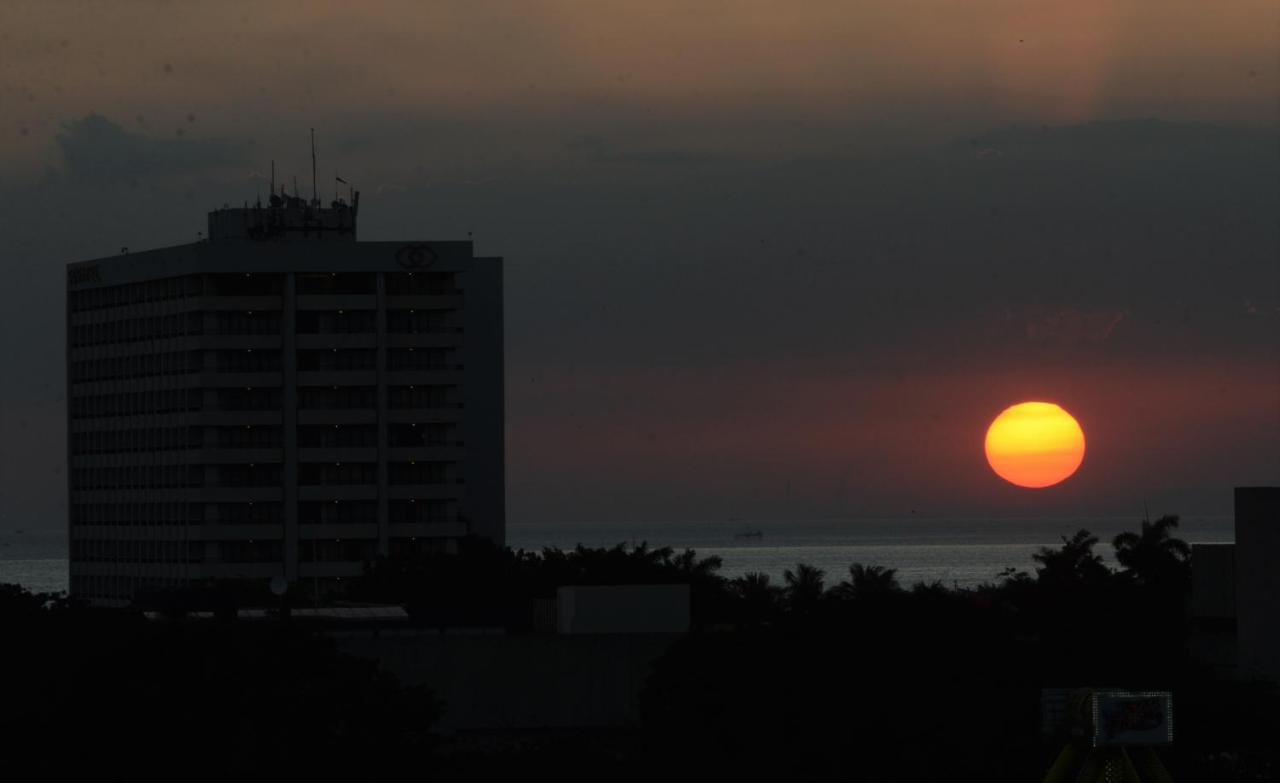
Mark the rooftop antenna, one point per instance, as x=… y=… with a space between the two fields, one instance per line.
x=315 y=197
x=273 y=177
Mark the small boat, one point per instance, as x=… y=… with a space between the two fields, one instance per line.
x=749 y=534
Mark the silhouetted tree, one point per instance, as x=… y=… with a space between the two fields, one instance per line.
x=1074 y=563
x=868 y=582
x=758 y=599
x=1153 y=556
x=689 y=564
x=804 y=588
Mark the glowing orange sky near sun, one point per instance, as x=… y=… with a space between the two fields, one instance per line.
x=1034 y=444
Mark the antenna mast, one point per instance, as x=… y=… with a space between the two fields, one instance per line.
x=273 y=179
x=315 y=197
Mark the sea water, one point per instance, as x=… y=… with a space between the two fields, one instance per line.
x=956 y=551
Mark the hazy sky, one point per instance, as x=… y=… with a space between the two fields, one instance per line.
x=764 y=259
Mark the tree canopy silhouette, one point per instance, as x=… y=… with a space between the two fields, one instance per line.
x=1153 y=557
x=1074 y=563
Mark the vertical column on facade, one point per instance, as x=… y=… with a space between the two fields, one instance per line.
x=289 y=421
x=380 y=361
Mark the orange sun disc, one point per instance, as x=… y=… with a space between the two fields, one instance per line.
x=1034 y=444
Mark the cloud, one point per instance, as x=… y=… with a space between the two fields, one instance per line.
x=1070 y=326
x=97 y=150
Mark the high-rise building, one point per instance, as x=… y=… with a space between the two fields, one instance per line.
x=279 y=400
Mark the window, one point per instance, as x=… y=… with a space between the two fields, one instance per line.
x=409 y=435
x=338 y=436
x=336 y=397
x=337 y=473
x=257 y=513
x=338 y=550
x=421 y=359
x=336 y=283
x=248 y=360
x=342 y=512
x=337 y=322
x=420 y=321
x=419 y=511
x=244 y=284
x=338 y=359
x=247 y=399
x=409 y=473
x=248 y=437
x=247 y=322
x=421 y=283
x=423 y=397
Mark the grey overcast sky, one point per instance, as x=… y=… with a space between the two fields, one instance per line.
x=763 y=261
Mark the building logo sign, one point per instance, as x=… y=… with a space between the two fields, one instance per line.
x=414 y=257
x=83 y=274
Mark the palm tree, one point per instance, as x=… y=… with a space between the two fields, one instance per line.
x=688 y=564
x=804 y=587
x=759 y=598
x=1074 y=562
x=1154 y=556
x=868 y=581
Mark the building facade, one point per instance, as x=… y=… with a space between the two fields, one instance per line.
x=279 y=399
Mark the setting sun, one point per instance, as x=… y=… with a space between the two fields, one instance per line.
x=1034 y=444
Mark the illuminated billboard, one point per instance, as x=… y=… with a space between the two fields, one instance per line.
x=1132 y=718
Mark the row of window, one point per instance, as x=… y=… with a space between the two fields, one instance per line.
x=263 y=474
x=411 y=435
x=433 y=283
x=137 y=514
x=242 y=323
x=366 y=511
x=137 y=293
x=248 y=284
x=337 y=283
x=152 y=439
x=365 y=283
x=136 y=439
x=138 y=477
x=267 y=474
x=97 y=588
x=133 y=403
x=312 y=512
x=357 y=359
x=176 y=401
x=336 y=550
x=257 y=360
x=365 y=473
x=351 y=436
x=139 y=366
x=254 y=551
x=128 y=551
x=260 y=322
x=155 y=327
x=422 y=359
x=338 y=359
x=364 y=397
x=259 y=399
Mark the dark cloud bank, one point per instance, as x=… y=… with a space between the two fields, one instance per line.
x=1083 y=246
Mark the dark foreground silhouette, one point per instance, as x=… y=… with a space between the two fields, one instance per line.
x=852 y=677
